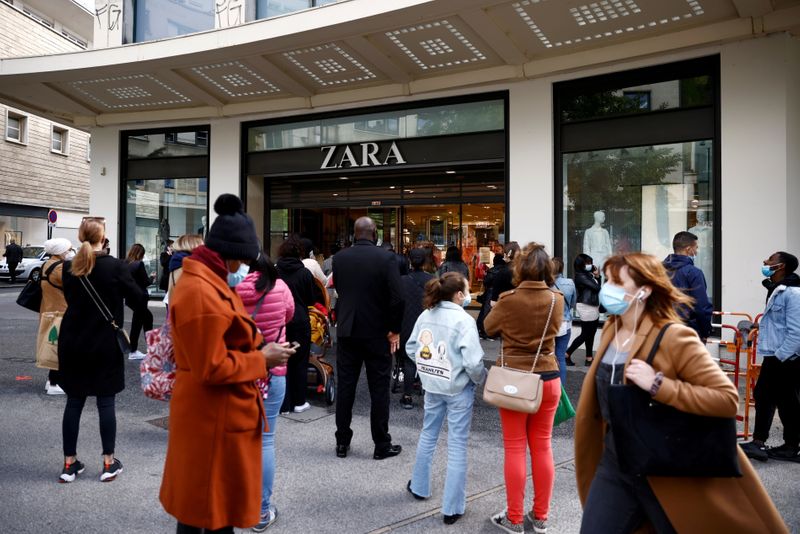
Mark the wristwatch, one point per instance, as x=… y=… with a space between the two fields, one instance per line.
x=659 y=378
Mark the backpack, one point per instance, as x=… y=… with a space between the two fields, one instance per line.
x=31 y=295
x=157 y=370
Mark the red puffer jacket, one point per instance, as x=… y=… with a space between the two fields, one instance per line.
x=276 y=310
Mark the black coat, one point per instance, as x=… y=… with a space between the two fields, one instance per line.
x=301 y=284
x=13 y=253
x=413 y=290
x=503 y=281
x=588 y=289
x=89 y=359
x=140 y=276
x=367 y=281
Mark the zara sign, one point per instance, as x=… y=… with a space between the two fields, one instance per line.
x=361 y=155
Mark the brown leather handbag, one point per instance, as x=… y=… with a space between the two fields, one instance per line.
x=520 y=391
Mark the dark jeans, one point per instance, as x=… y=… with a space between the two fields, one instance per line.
x=53 y=377
x=409 y=371
x=12 y=271
x=297 y=367
x=620 y=503
x=778 y=387
x=72 y=423
x=485 y=308
x=588 y=330
x=186 y=529
x=141 y=318
x=351 y=355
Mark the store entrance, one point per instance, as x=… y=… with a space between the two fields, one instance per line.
x=463 y=207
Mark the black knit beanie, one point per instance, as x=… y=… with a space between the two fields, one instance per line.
x=233 y=234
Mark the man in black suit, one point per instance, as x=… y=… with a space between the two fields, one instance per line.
x=369 y=313
x=13 y=256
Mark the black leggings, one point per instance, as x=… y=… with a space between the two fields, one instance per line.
x=141 y=318
x=297 y=366
x=588 y=330
x=53 y=377
x=186 y=529
x=72 y=423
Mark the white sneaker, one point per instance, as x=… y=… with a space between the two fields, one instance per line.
x=302 y=408
x=136 y=355
x=539 y=525
x=55 y=390
x=47 y=386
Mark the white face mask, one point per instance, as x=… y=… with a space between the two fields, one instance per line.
x=68 y=255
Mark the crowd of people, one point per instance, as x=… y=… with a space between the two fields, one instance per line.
x=241 y=328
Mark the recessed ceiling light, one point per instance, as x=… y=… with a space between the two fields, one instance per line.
x=409 y=191
x=343 y=178
x=450 y=172
x=336 y=194
x=492 y=186
x=392 y=186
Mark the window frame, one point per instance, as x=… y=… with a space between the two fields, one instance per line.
x=23 y=119
x=655 y=127
x=64 y=133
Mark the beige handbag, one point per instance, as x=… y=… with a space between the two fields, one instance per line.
x=47 y=340
x=520 y=391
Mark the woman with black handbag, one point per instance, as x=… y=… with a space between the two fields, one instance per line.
x=622 y=479
x=90 y=344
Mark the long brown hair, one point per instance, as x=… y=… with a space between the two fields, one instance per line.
x=443 y=288
x=647 y=270
x=533 y=264
x=90 y=233
x=136 y=253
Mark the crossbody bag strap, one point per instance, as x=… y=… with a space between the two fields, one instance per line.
x=259 y=302
x=654 y=349
x=50 y=270
x=101 y=306
x=544 y=333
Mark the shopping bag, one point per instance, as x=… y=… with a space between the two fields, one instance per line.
x=158 y=367
x=565 y=410
x=47 y=340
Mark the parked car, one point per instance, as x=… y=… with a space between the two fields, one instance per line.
x=30 y=268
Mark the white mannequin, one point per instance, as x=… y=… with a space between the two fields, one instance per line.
x=596 y=241
x=705 y=255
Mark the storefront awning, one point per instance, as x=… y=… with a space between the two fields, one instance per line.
x=359 y=50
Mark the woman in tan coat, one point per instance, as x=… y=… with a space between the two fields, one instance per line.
x=641 y=300
x=212 y=473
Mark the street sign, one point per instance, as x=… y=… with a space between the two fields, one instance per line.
x=52 y=216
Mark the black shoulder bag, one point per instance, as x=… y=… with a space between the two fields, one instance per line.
x=122 y=337
x=654 y=439
x=31 y=295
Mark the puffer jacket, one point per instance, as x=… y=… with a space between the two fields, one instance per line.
x=588 y=289
x=276 y=310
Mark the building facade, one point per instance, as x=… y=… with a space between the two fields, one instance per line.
x=591 y=127
x=44 y=162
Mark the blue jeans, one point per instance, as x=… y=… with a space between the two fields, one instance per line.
x=272 y=405
x=458 y=409
x=561 y=354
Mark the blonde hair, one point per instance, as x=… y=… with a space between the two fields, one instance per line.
x=647 y=270
x=90 y=233
x=187 y=243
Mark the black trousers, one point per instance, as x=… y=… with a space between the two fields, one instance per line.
x=12 y=271
x=409 y=370
x=72 y=422
x=351 y=355
x=53 y=376
x=141 y=318
x=186 y=529
x=588 y=330
x=620 y=503
x=778 y=387
x=486 y=306
x=297 y=366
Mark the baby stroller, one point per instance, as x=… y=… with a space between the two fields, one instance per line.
x=320 y=371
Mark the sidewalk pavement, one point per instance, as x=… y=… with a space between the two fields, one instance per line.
x=314 y=490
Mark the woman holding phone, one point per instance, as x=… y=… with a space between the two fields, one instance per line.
x=269 y=301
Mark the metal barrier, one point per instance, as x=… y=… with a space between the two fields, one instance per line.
x=751 y=374
x=735 y=346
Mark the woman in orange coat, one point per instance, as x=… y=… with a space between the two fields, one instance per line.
x=641 y=299
x=212 y=474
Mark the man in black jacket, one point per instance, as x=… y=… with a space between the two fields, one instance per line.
x=369 y=313
x=413 y=287
x=13 y=255
x=689 y=279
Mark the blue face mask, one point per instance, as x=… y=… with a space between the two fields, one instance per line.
x=235 y=279
x=612 y=297
x=766 y=271
x=467 y=300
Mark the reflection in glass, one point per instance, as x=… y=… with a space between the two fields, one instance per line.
x=157 y=19
x=160 y=210
x=421 y=122
x=639 y=197
x=192 y=143
x=274 y=8
x=684 y=93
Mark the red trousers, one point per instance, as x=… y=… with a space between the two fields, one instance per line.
x=521 y=431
